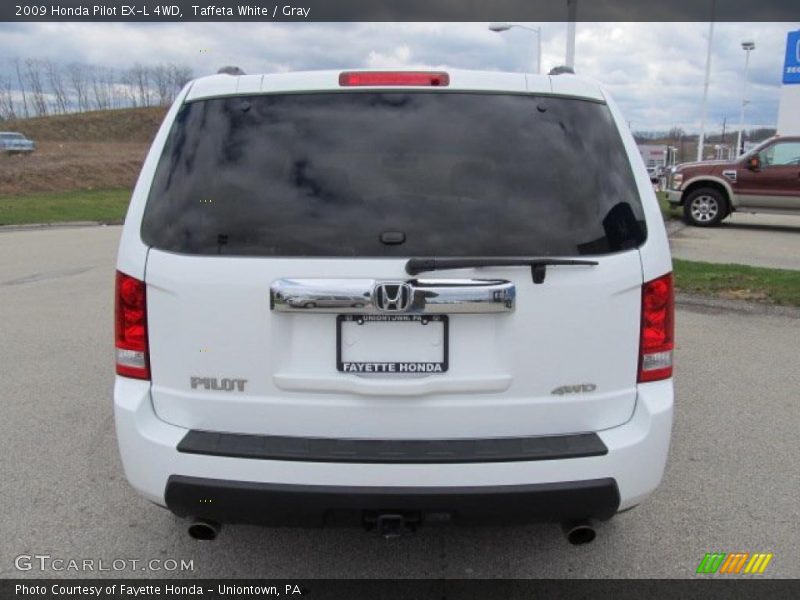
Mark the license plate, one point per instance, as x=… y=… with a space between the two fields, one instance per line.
x=404 y=344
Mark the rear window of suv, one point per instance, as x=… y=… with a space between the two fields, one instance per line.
x=354 y=173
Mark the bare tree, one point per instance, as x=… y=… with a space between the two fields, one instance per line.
x=161 y=80
x=98 y=89
x=7 y=107
x=676 y=133
x=127 y=81
x=33 y=75
x=61 y=101
x=21 y=82
x=160 y=83
x=79 y=81
x=180 y=75
x=759 y=134
x=141 y=79
x=47 y=86
x=110 y=81
x=103 y=82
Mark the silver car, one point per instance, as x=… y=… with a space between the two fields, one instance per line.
x=12 y=142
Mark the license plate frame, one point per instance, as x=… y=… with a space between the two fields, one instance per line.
x=394 y=367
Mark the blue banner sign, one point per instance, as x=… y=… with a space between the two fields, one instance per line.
x=791 y=66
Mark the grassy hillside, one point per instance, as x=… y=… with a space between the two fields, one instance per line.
x=100 y=150
x=125 y=125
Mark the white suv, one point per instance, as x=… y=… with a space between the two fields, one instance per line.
x=394 y=298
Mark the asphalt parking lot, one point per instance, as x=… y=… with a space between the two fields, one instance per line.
x=745 y=239
x=731 y=483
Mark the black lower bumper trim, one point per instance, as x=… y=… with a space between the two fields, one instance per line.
x=269 y=447
x=309 y=505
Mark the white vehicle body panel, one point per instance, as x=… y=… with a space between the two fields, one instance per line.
x=636 y=457
x=293 y=387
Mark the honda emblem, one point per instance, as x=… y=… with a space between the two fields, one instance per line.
x=392 y=297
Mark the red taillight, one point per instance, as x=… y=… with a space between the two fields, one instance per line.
x=377 y=78
x=130 y=320
x=658 y=329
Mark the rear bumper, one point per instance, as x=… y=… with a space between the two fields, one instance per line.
x=396 y=452
x=310 y=505
x=236 y=489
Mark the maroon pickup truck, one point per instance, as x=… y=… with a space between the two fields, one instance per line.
x=766 y=179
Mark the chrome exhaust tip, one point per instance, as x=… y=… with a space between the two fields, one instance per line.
x=203 y=529
x=579 y=532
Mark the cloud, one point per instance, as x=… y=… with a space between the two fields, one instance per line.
x=398 y=57
x=655 y=70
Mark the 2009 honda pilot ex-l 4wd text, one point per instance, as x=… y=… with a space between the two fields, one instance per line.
x=393 y=298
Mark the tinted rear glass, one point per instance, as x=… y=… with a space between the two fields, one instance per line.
x=342 y=174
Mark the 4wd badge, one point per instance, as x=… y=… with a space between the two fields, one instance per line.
x=580 y=388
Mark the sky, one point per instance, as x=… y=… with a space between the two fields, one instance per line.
x=654 y=70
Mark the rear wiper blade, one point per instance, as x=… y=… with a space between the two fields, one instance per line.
x=538 y=266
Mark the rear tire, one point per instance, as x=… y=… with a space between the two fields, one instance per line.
x=705 y=207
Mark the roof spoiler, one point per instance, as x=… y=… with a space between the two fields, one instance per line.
x=230 y=70
x=562 y=70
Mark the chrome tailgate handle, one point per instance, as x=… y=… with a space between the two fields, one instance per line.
x=412 y=297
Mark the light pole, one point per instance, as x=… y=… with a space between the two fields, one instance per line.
x=747 y=46
x=498 y=27
x=701 y=137
x=572 y=16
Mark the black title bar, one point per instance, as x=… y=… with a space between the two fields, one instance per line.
x=698 y=588
x=397 y=10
